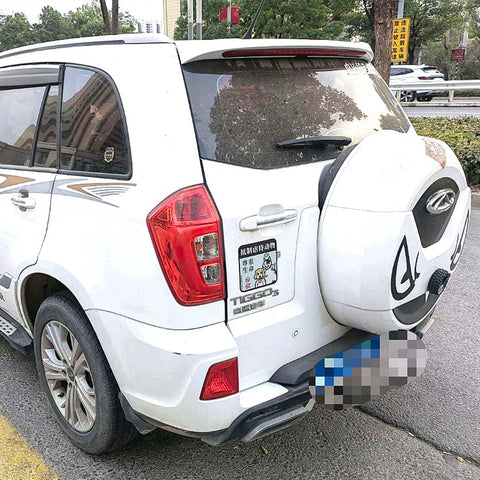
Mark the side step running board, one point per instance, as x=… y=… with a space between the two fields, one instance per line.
x=15 y=334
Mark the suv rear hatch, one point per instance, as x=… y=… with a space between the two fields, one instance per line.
x=246 y=99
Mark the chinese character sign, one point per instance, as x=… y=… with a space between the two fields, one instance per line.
x=400 y=38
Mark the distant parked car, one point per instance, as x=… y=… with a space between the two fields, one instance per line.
x=412 y=73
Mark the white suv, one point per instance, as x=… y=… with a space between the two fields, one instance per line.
x=414 y=73
x=188 y=228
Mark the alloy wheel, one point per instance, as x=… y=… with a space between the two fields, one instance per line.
x=68 y=376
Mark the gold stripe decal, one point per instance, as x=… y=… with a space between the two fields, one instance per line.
x=84 y=187
x=13 y=180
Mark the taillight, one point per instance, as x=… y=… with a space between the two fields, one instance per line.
x=289 y=52
x=185 y=231
x=424 y=78
x=221 y=380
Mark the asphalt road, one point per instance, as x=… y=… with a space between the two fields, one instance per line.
x=403 y=435
x=437 y=108
x=440 y=111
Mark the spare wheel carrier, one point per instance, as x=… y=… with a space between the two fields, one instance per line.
x=383 y=258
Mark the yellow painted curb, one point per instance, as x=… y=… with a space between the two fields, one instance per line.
x=18 y=461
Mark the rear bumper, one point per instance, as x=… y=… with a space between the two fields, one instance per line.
x=161 y=388
x=269 y=416
x=256 y=422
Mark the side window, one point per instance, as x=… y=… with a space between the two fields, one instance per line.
x=19 y=111
x=46 y=148
x=93 y=131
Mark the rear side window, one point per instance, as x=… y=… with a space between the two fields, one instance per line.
x=19 y=110
x=243 y=107
x=93 y=131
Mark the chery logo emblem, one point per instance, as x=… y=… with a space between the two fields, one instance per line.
x=441 y=201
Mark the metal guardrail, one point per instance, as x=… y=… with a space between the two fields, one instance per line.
x=451 y=86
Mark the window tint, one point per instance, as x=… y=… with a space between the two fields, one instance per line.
x=46 y=148
x=19 y=110
x=242 y=108
x=396 y=71
x=93 y=132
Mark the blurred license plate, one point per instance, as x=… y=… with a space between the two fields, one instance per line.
x=357 y=375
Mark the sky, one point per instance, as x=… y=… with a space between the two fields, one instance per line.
x=140 y=9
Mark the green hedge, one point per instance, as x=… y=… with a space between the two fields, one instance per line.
x=462 y=134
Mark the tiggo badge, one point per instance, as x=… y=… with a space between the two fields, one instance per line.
x=441 y=201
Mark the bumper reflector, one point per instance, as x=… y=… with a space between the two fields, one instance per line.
x=221 y=380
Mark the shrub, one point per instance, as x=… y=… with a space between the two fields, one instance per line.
x=462 y=134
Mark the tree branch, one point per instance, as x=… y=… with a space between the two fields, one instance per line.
x=106 y=17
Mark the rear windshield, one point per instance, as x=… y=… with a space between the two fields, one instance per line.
x=243 y=107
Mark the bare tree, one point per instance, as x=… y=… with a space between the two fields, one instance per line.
x=111 y=27
x=384 y=11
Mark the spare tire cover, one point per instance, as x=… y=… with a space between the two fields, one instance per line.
x=395 y=215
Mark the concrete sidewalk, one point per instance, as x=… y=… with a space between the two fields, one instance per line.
x=475 y=199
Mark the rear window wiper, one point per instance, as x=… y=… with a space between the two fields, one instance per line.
x=315 y=142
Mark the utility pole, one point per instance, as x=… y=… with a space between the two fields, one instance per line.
x=401 y=5
x=190 y=19
x=199 y=19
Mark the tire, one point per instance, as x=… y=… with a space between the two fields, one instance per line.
x=428 y=99
x=389 y=279
x=408 y=96
x=97 y=424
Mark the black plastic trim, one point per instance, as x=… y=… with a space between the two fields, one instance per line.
x=301 y=369
x=141 y=425
x=20 y=340
x=329 y=173
x=29 y=77
x=414 y=310
x=297 y=396
x=432 y=227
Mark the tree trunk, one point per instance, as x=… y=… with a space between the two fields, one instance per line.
x=106 y=17
x=384 y=12
x=115 y=17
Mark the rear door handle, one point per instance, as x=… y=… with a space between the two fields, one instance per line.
x=23 y=201
x=256 y=222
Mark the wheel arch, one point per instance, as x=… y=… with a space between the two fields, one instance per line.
x=34 y=286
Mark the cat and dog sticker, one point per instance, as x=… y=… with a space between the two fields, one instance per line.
x=258 y=264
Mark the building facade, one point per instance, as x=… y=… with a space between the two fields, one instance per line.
x=150 y=26
x=171 y=11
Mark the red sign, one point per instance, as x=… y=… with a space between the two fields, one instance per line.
x=223 y=13
x=234 y=14
x=458 y=55
x=230 y=14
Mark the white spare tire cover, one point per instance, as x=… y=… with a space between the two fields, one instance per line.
x=388 y=238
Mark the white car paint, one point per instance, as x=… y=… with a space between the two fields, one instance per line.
x=100 y=248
